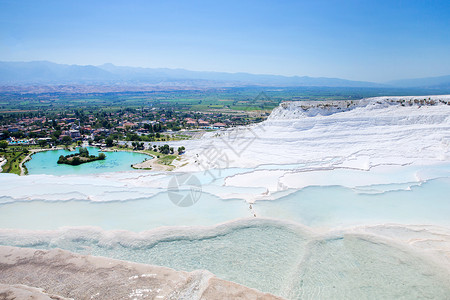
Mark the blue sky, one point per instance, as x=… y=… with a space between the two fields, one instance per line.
x=359 y=40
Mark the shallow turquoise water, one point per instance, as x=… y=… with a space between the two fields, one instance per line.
x=314 y=206
x=134 y=215
x=46 y=162
x=283 y=259
x=335 y=205
x=272 y=256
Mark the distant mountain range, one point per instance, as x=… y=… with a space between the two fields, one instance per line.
x=442 y=82
x=45 y=73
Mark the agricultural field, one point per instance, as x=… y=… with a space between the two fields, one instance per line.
x=203 y=100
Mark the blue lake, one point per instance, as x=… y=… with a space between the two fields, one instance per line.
x=46 y=162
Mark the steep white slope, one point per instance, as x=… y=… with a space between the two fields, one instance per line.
x=384 y=130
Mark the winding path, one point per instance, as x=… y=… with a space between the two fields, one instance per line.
x=2 y=162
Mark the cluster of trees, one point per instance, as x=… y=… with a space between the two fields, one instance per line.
x=80 y=158
x=164 y=149
x=157 y=127
x=66 y=140
x=3 y=145
x=137 y=146
x=18 y=134
x=109 y=141
x=83 y=152
x=151 y=137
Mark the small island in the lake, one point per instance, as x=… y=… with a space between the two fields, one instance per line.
x=80 y=158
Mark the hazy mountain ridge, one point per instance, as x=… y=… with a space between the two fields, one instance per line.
x=43 y=72
x=430 y=82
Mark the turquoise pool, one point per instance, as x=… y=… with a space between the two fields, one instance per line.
x=46 y=162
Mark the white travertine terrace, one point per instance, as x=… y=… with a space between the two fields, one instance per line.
x=76 y=276
x=364 y=133
x=370 y=146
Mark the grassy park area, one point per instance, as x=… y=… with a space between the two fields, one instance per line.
x=13 y=156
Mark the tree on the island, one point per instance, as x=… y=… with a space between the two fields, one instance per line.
x=101 y=156
x=76 y=161
x=83 y=152
x=3 y=145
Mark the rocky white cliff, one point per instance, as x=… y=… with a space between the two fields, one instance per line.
x=383 y=130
